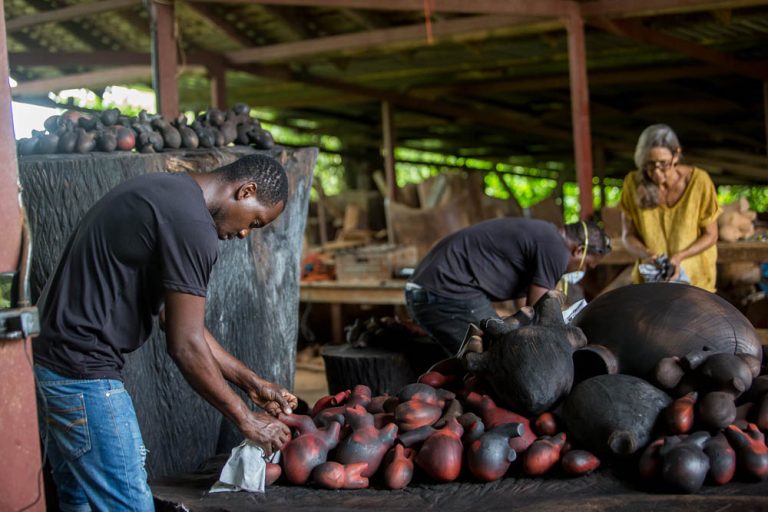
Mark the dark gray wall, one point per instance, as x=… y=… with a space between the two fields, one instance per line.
x=253 y=298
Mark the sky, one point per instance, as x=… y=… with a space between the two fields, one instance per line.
x=29 y=117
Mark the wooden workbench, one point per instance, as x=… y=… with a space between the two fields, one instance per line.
x=337 y=293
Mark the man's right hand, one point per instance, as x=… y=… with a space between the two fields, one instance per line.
x=267 y=432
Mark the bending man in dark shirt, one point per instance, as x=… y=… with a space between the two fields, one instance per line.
x=495 y=260
x=148 y=244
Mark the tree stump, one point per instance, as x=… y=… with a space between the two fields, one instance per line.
x=384 y=371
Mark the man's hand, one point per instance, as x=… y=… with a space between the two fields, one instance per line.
x=267 y=432
x=272 y=398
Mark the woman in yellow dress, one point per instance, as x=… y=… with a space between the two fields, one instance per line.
x=670 y=208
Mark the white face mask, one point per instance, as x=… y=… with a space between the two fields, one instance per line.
x=577 y=275
x=574 y=277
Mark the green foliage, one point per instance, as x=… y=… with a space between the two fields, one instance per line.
x=756 y=196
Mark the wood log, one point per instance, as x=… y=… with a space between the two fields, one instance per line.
x=384 y=371
x=253 y=296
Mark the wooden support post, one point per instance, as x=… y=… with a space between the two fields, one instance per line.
x=577 y=63
x=21 y=480
x=388 y=137
x=600 y=171
x=218 y=75
x=164 y=57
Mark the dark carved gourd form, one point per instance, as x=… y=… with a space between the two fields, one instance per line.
x=419 y=405
x=722 y=459
x=528 y=368
x=684 y=465
x=613 y=415
x=645 y=323
x=543 y=454
x=490 y=456
x=365 y=443
x=579 y=462
x=310 y=449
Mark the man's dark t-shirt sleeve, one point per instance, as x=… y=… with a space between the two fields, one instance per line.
x=188 y=252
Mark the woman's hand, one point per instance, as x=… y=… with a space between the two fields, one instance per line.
x=272 y=398
x=675 y=260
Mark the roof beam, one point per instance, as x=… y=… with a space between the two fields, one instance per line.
x=100 y=58
x=68 y=13
x=638 y=8
x=634 y=29
x=508 y=120
x=207 y=13
x=123 y=74
x=553 y=82
x=368 y=39
x=546 y=8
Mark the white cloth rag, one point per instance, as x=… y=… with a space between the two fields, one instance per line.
x=245 y=470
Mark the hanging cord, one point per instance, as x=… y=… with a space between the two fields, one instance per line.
x=428 y=20
x=23 y=300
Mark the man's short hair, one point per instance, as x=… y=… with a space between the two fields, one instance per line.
x=599 y=242
x=268 y=174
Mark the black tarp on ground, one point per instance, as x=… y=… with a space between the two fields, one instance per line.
x=604 y=490
x=253 y=298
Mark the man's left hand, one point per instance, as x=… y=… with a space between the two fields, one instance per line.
x=272 y=398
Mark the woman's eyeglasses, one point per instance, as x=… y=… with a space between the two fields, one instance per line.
x=652 y=165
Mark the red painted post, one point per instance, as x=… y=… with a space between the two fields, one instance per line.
x=164 y=58
x=582 y=138
x=21 y=478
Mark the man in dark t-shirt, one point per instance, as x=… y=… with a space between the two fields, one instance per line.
x=146 y=248
x=495 y=260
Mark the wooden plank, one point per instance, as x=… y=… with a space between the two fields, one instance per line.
x=551 y=8
x=102 y=58
x=120 y=75
x=208 y=14
x=354 y=292
x=372 y=38
x=67 y=13
x=640 y=8
x=582 y=137
x=727 y=252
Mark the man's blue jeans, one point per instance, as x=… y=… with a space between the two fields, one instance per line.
x=444 y=318
x=92 y=440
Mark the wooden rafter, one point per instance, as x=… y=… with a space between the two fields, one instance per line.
x=208 y=13
x=368 y=39
x=123 y=74
x=635 y=8
x=516 y=122
x=291 y=21
x=546 y=8
x=68 y=13
x=636 y=30
x=596 y=78
x=366 y=19
x=94 y=38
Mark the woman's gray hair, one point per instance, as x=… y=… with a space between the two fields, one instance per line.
x=655 y=136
